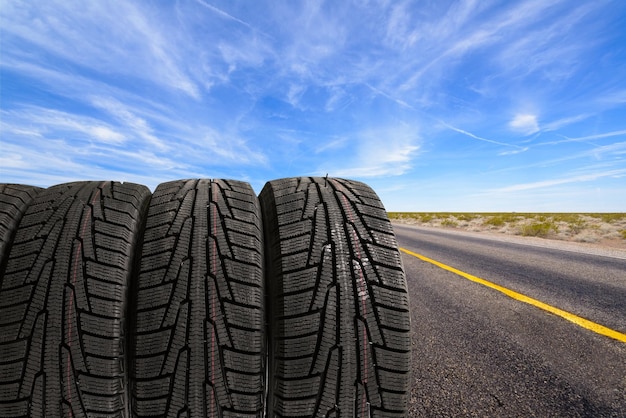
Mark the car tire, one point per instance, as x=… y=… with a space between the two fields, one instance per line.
x=198 y=327
x=63 y=301
x=337 y=305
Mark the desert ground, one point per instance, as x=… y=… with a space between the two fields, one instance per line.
x=606 y=230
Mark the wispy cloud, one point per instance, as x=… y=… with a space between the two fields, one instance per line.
x=587 y=138
x=36 y=121
x=388 y=96
x=560 y=123
x=136 y=124
x=377 y=153
x=617 y=97
x=547 y=50
x=332 y=145
x=226 y=148
x=557 y=182
x=117 y=38
x=451 y=40
x=590 y=137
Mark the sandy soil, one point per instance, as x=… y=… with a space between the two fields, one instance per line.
x=590 y=230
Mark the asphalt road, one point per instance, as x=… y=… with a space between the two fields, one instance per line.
x=478 y=352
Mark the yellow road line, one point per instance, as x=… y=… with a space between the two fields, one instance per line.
x=585 y=323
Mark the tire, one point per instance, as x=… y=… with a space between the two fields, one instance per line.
x=14 y=199
x=337 y=299
x=63 y=300
x=198 y=346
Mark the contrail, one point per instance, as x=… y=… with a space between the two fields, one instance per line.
x=471 y=135
x=223 y=13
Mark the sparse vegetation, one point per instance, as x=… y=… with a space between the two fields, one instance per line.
x=610 y=217
x=495 y=221
x=576 y=226
x=449 y=223
x=426 y=217
x=579 y=227
x=467 y=217
x=539 y=229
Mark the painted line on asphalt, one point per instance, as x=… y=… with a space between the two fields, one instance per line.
x=585 y=323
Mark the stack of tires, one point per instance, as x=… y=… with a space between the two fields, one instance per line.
x=201 y=300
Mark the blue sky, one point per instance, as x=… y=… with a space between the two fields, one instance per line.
x=438 y=105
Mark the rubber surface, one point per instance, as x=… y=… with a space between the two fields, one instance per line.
x=14 y=199
x=337 y=299
x=63 y=300
x=199 y=330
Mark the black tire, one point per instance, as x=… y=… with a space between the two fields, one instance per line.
x=63 y=301
x=199 y=330
x=338 y=305
x=14 y=199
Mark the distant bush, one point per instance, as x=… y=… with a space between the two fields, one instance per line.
x=465 y=216
x=449 y=223
x=426 y=217
x=576 y=226
x=566 y=217
x=495 y=221
x=539 y=229
x=623 y=233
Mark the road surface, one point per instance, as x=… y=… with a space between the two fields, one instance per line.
x=479 y=352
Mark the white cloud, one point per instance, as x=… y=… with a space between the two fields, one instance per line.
x=524 y=123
